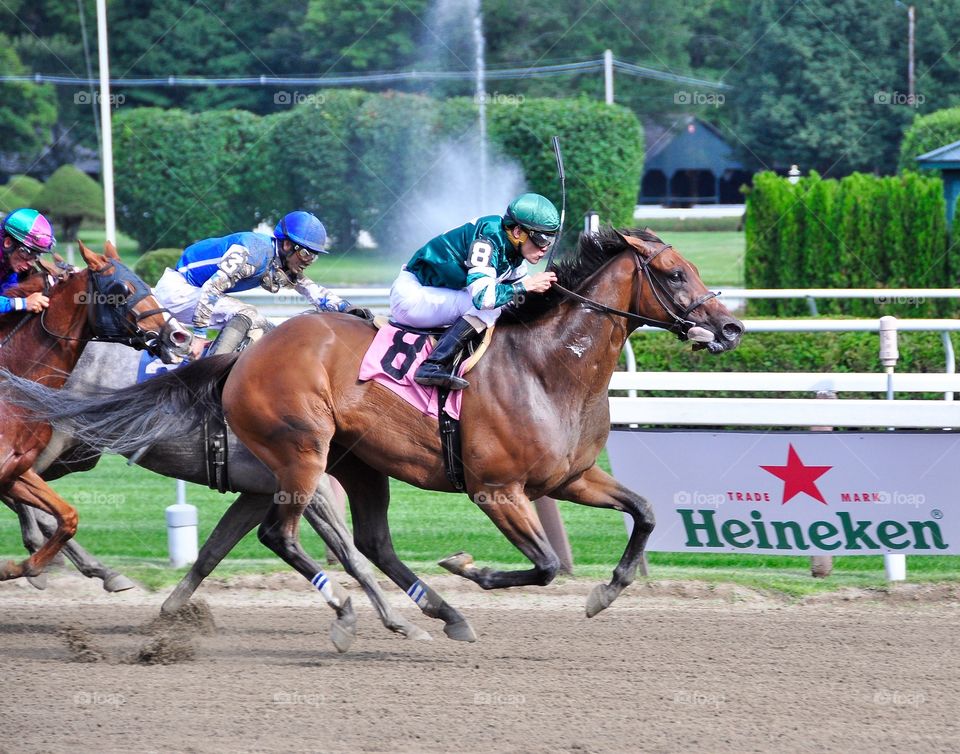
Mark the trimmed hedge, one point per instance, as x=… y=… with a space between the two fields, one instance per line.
x=863 y=231
x=151 y=265
x=791 y=352
x=352 y=158
x=182 y=177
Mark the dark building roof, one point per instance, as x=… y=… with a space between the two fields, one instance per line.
x=688 y=144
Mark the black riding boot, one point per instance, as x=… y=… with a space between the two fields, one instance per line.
x=231 y=336
x=438 y=368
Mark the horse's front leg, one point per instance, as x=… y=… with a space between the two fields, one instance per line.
x=597 y=488
x=513 y=513
x=30 y=489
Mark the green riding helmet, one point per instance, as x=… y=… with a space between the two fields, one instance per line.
x=533 y=212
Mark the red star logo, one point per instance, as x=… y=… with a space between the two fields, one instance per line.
x=798 y=478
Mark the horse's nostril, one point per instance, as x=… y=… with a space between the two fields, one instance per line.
x=179 y=337
x=732 y=331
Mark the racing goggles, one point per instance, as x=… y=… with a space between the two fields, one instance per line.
x=541 y=240
x=304 y=254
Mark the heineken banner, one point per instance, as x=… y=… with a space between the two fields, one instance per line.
x=795 y=493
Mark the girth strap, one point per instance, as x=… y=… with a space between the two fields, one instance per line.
x=215 y=452
x=450 y=443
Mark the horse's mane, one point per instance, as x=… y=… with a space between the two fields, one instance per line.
x=25 y=286
x=593 y=251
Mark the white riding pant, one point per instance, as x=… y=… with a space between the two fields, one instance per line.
x=180 y=297
x=418 y=305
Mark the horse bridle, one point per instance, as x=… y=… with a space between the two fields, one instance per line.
x=680 y=323
x=105 y=320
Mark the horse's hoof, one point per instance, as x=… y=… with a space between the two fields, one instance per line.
x=415 y=633
x=39 y=581
x=342 y=635
x=598 y=599
x=11 y=570
x=117 y=582
x=461 y=631
x=457 y=563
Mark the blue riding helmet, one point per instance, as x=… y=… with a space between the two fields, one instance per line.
x=303 y=229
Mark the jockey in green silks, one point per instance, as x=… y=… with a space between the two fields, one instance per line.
x=463 y=277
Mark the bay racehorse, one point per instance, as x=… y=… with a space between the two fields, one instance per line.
x=533 y=421
x=104 y=300
x=111 y=366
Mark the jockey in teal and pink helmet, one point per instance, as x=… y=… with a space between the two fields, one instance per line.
x=25 y=234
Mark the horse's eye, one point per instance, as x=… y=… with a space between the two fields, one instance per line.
x=676 y=276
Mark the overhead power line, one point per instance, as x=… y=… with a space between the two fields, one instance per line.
x=542 y=71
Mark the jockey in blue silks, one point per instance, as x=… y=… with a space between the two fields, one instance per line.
x=196 y=291
x=25 y=234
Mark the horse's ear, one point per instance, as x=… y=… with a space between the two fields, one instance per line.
x=94 y=261
x=111 y=250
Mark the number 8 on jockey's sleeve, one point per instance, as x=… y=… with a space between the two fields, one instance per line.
x=463 y=277
x=196 y=292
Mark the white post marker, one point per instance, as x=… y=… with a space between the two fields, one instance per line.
x=182 y=529
x=591 y=223
x=895 y=564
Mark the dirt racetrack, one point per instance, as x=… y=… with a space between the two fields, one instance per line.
x=669 y=667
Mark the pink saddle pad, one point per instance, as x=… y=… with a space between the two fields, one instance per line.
x=392 y=360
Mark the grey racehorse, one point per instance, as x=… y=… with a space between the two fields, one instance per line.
x=108 y=367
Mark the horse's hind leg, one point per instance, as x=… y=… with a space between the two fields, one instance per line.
x=30 y=489
x=597 y=488
x=369 y=495
x=240 y=518
x=323 y=516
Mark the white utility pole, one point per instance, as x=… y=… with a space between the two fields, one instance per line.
x=106 y=138
x=608 y=75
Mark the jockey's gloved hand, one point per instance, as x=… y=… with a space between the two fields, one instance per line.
x=358 y=311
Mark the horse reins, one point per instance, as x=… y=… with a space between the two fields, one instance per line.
x=680 y=324
x=30 y=315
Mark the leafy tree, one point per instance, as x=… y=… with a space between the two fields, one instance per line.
x=68 y=198
x=19 y=191
x=818 y=87
x=27 y=111
x=928 y=132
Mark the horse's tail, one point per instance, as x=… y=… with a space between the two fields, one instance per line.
x=123 y=421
